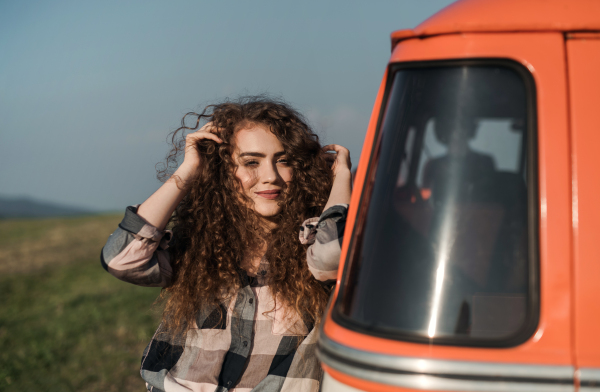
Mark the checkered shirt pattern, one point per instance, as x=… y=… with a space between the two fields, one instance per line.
x=248 y=344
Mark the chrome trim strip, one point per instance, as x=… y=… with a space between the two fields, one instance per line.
x=446 y=375
x=589 y=379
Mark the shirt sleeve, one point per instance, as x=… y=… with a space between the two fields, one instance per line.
x=137 y=252
x=324 y=235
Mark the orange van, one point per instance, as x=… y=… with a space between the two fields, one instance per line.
x=472 y=255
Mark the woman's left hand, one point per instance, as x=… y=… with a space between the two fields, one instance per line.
x=339 y=159
x=341 y=189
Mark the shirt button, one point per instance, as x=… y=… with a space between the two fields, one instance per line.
x=251 y=300
x=245 y=343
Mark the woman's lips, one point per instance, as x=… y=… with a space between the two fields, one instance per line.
x=271 y=194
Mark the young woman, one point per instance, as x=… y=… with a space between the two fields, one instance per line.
x=244 y=293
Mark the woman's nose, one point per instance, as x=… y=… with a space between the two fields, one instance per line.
x=269 y=173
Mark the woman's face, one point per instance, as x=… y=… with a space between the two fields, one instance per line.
x=262 y=168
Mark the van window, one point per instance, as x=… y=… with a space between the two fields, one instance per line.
x=444 y=247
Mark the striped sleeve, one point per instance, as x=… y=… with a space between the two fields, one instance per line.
x=137 y=252
x=324 y=235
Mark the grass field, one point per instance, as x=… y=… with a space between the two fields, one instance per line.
x=66 y=324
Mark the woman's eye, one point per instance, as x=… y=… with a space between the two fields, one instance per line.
x=283 y=161
x=250 y=163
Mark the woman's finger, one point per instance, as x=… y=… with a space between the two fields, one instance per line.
x=332 y=147
x=205 y=133
x=340 y=157
x=209 y=127
x=194 y=137
x=339 y=150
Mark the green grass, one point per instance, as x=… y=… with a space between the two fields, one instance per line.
x=71 y=326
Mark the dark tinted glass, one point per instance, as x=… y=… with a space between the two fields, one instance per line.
x=442 y=247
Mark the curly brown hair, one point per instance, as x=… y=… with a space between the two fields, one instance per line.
x=215 y=230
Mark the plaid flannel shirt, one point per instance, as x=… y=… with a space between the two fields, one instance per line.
x=251 y=349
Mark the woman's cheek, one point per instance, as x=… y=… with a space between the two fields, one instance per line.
x=286 y=174
x=247 y=177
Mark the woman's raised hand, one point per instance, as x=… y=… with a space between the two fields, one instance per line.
x=341 y=166
x=159 y=207
x=339 y=159
x=192 y=158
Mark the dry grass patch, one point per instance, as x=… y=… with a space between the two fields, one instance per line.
x=28 y=245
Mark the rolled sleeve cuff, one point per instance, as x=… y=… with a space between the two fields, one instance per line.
x=336 y=212
x=308 y=229
x=326 y=238
x=331 y=224
x=135 y=224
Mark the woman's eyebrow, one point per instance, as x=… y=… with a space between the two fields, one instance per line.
x=252 y=154
x=259 y=154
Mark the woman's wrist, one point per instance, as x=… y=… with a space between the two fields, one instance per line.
x=342 y=173
x=341 y=189
x=184 y=172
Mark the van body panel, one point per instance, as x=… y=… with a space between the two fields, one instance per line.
x=513 y=15
x=544 y=56
x=584 y=90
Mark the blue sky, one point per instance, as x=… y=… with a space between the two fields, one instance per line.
x=89 y=90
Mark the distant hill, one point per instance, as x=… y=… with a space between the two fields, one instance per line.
x=25 y=207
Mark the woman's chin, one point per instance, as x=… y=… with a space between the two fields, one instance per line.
x=271 y=215
x=268 y=210
x=268 y=214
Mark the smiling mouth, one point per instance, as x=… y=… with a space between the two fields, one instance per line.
x=270 y=194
